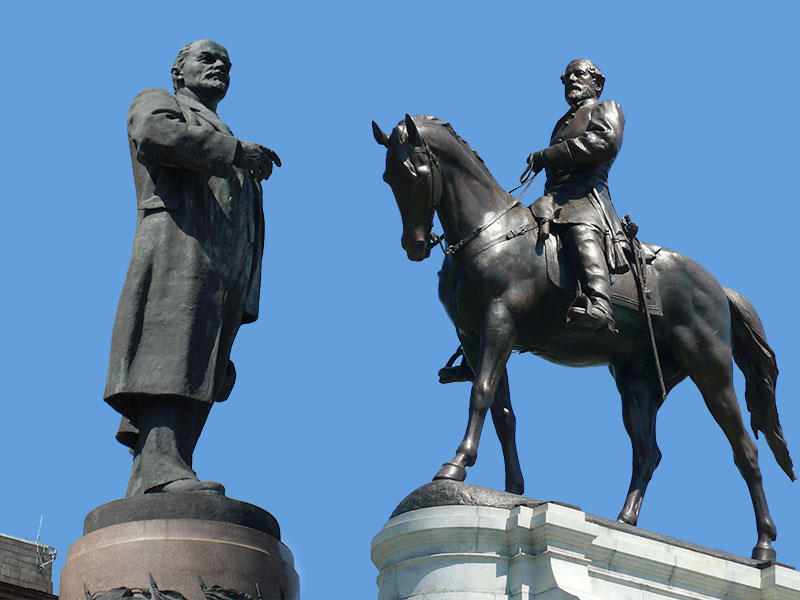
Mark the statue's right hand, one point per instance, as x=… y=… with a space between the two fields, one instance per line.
x=255 y=158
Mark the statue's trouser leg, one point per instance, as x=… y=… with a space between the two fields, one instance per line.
x=585 y=246
x=169 y=427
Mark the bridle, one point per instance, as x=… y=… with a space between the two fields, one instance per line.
x=435 y=198
x=434 y=187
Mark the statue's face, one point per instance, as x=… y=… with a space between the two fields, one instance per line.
x=206 y=70
x=579 y=83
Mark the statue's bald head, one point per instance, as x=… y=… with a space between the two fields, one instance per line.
x=185 y=52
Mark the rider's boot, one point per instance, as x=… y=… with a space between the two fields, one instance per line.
x=592 y=310
x=452 y=373
x=456 y=374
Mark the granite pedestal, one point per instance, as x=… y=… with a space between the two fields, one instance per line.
x=520 y=549
x=181 y=540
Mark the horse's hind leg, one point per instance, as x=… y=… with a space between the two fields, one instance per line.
x=496 y=342
x=709 y=362
x=505 y=424
x=641 y=398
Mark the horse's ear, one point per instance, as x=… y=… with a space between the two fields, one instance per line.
x=413 y=133
x=380 y=137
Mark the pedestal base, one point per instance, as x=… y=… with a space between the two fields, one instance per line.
x=546 y=551
x=228 y=545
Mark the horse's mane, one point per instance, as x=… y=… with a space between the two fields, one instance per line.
x=437 y=121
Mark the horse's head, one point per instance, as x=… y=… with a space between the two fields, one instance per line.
x=413 y=172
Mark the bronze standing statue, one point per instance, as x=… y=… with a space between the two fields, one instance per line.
x=195 y=270
x=497 y=286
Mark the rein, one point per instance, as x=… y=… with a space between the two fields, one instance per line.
x=453 y=248
x=525 y=179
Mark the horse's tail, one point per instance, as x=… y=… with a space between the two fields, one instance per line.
x=757 y=361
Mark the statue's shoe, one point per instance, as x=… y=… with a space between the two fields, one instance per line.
x=455 y=374
x=181 y=486
x=585 y=314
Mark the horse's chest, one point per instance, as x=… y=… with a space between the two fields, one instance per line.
x=468 y=295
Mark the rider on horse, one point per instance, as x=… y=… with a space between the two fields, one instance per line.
x=576 y=199
x=583 y=147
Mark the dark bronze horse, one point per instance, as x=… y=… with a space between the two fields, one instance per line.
x=497 y=293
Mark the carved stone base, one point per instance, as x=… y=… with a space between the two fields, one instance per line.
x=520 y=549
x=201 y=545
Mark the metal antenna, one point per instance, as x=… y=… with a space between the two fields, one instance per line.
x=45 y=555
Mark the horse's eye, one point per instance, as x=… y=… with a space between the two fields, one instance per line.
x=410 y=166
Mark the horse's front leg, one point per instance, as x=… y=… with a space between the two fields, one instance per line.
x=497 y=340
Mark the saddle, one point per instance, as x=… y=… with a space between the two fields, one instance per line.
x=624 y=290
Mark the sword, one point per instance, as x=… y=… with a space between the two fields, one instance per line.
x=631 y=229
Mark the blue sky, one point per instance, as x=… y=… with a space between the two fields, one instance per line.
x=337 y=413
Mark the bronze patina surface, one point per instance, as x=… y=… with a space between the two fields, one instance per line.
x=495 y=288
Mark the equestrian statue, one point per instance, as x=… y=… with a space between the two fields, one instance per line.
x=566 y=280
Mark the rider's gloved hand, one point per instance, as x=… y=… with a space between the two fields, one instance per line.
x=534 y=160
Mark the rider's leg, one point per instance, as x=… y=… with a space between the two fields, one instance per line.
x=585 y=246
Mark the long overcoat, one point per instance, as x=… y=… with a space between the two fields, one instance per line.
x=195 y=270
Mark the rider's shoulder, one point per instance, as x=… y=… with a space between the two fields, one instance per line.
x=609 y=106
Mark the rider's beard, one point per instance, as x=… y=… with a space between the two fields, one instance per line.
x=577 y=92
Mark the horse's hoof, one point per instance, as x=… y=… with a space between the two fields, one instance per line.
x=764 y=553
x=627 y=519
x=451 y=471
x=516 y=488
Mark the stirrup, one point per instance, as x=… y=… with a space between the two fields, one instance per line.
x=460 y=372
x=583 y=313
x=456 y=374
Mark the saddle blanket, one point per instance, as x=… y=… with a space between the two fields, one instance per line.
x=624 y=291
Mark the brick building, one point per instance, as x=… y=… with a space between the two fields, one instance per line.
x=26 y=570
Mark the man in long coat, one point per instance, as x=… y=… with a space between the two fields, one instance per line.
x=583 y=147
x=195 y=270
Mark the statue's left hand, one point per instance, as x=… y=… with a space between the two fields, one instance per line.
x=531 y=160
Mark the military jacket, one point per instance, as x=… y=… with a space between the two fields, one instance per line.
x=583 y=146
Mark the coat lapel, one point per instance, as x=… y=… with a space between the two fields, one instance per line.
x=195 y=110
x=197 y=113
x=573 y=122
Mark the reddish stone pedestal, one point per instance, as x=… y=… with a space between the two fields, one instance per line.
x=224 y=542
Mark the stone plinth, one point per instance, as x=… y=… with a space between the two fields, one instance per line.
x=547 y=551
x=179 y=540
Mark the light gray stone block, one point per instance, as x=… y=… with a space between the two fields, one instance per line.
x=553 y=552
